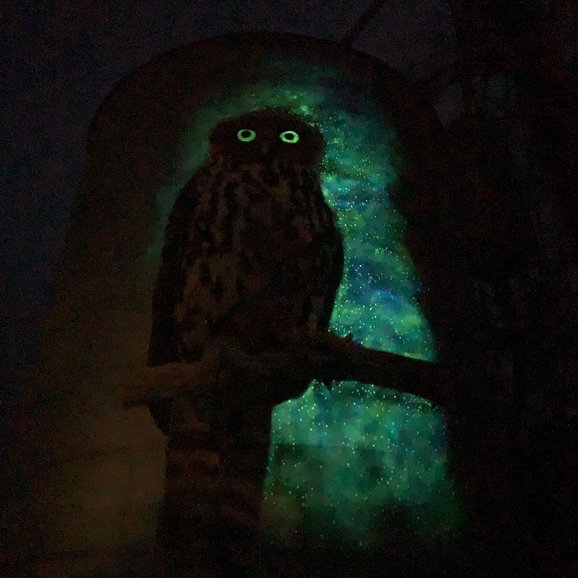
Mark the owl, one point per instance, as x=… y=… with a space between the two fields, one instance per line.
x=252 y=257
x=252 y=251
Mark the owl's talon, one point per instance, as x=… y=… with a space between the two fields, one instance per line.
x=331 y=343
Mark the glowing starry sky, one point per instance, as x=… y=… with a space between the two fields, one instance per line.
x=341 y=460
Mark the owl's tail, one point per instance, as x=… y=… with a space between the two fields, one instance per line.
x=214 y=488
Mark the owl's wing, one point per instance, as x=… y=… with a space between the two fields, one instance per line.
x=335 y=275
x=171 y=280
x=163 y=344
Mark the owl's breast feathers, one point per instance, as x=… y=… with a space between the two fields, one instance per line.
x=249 y=253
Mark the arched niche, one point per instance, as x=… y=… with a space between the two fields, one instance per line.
x=386 y=174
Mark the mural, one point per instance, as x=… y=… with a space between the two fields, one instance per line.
x=352 y=463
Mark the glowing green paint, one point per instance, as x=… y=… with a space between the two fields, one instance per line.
x=343 y=461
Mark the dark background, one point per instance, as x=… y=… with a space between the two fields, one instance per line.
x=502 y=77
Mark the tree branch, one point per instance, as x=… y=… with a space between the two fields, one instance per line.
x=286 y=374
x=358 y=27
x=166 y=381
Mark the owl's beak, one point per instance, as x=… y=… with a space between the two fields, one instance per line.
x=265 y=150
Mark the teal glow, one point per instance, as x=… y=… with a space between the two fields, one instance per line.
x=357 y=464
x=289 y=136
x=246 y=135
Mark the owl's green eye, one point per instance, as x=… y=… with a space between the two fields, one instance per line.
x=289 y=136
x=246 y=135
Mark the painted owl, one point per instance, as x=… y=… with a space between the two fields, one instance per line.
x=252 y=257
x=252 y=252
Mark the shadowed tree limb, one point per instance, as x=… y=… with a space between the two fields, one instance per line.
x=359 y=26
x=327 y=357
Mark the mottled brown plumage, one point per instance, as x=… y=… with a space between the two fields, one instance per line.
x=252 y=258
x=252 y=253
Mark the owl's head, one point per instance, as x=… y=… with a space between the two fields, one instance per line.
x=266 y=135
